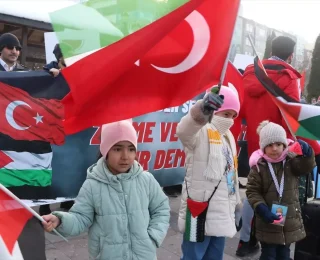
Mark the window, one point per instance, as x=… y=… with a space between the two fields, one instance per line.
x=262 y=32
x=249 y=27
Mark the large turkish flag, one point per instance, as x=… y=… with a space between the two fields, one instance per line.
x=23 y=117
x=178 y=67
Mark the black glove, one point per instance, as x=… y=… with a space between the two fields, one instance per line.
x=264 y=212
x=306 y=148
x=211 y=102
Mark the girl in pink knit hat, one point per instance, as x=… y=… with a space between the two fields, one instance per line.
x=122 y=205
x=210 y=190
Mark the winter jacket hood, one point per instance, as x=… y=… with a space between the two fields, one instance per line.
x=100 y=172
x=280 y=72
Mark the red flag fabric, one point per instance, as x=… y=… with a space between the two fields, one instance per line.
x=296 y=148
x=166 y=76
x=234 y=79
x=23 y=117
x=4 y=159
x=302 y=81
x=13 y=219
x=196 y=207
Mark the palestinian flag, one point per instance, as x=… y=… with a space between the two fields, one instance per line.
x=21 y=236
x=195 y=220
x=302 y=119
x=31 y=117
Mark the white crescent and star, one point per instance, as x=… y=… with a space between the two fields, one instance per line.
x=9 y=115
x=201 y=35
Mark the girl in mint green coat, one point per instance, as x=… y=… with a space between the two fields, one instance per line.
x=123 y=207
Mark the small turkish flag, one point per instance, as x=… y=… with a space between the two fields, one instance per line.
x=23 y=117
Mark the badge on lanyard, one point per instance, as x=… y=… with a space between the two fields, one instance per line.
x=231 y=182
x=281 y=211
x=278 y=208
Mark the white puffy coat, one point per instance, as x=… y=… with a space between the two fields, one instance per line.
x=220 y=219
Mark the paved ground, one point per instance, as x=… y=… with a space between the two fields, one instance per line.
x=76 y=249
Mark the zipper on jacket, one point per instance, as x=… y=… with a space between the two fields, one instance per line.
x=128 y=226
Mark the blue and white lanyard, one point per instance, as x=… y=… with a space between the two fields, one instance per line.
x=275 y=180
x=227 y=154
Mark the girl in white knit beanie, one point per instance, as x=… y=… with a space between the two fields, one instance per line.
x=273 y=185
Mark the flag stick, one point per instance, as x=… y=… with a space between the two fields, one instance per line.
x=225 y=65
x=285 y=119
x=9 y=193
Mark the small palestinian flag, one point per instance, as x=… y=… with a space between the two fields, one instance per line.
x=21 y=235
x=303 y=120
x=195 y=220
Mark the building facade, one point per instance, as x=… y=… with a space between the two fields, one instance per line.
x=259 y=34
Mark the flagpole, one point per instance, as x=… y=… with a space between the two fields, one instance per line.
x=10 y=194
x=256 y=54
x=225 y=65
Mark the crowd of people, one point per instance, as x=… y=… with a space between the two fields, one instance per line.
x=128 y=214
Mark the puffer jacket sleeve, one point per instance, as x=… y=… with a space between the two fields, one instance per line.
x=159 y=210
x=80 y=217
x=302 y=165
x=190 y=125
x=254 y=188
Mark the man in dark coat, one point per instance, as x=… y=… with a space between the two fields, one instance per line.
x=10 y=49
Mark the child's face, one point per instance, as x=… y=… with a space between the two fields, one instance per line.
x=227 y=114
x=121 y=156
x=274 y=150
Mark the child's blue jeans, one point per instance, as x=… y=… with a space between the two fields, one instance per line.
x=211 y=248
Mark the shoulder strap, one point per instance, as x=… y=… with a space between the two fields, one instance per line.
x=187 y=189
x=214 y=191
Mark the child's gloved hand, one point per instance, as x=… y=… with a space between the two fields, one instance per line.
x=264 y=212
x=306 y=149
x=211 y=102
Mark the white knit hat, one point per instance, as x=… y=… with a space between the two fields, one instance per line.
x=271 y=133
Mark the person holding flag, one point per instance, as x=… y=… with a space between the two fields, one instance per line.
x=273 y=185
x=257 y=99
x=123 y=206
x=55 y=67
x=210 y=190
